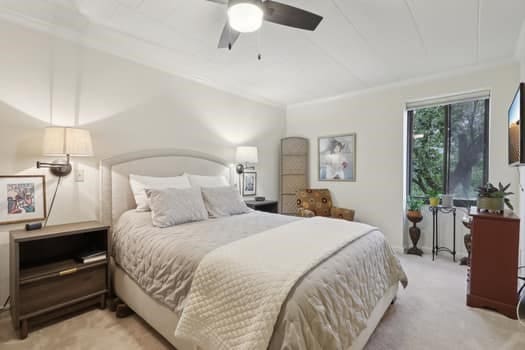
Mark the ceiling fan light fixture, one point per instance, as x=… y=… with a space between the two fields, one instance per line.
x=245 y=16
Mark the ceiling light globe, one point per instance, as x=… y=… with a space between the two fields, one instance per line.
x=245 y=17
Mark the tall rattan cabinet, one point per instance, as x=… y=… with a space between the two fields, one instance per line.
x=294 y=172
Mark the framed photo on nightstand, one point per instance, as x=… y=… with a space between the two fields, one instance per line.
x=249 y=183
x=22 y=198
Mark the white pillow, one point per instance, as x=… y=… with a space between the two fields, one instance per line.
x=172 y=206
x=207 y=181
x=223 y=201
x=140 y=183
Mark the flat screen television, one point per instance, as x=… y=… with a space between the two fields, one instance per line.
x=517 y=128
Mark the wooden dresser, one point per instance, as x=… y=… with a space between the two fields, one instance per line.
x=492 y=280
x=47 y=281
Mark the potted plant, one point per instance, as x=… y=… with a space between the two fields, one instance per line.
x=493 y=199
x=414 y=208
x=433 y=198
x=414 y=216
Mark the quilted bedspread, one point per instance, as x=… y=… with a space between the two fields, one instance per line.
x=326 y=309
x=238 y=289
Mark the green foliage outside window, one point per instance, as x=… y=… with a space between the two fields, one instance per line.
x=449 y=161
x=428 y=140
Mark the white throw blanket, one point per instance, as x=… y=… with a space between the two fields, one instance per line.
x=238 y=289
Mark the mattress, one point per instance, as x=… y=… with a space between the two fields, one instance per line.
x=327 y=308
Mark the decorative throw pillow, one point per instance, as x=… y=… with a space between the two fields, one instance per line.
x=207 y=181
x=223 y=201
x=172 y=206
x=140 y=183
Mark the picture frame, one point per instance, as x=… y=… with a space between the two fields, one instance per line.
x=337 y=158
x=22 y=198
x=249 y=184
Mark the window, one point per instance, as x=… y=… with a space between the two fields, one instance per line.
x=448 y=148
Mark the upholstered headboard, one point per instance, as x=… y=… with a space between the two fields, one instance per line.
x=115 y=193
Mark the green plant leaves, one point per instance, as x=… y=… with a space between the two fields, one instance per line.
x=491 y=191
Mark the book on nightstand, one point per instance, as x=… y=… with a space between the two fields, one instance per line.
x=91 y=257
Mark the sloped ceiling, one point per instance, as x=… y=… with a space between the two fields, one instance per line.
x=360 y=44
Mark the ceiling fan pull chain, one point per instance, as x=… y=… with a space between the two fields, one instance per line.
x=229 y=37
x=259 y=55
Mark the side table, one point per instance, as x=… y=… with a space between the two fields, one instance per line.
x=435 y=230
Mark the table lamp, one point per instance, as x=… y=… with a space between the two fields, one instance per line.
x=246 y=155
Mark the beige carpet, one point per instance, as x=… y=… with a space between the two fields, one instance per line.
x=429 y=314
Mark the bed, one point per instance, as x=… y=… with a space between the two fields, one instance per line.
x=337 y=304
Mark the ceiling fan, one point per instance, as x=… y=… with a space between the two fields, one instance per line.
x=246 y=16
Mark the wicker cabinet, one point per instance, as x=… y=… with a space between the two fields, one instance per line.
x=294 y=172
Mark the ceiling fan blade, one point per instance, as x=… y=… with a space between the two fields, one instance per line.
x=290 y=16
x=224 y=2
x=228 y=37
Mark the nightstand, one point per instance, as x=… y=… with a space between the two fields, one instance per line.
x=268 y=206
x=46 y=280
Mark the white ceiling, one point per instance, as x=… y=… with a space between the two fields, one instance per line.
x=359 y=45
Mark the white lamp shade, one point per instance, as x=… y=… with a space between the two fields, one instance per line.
x=247 y=154
x=245 y=17
x=59 y=141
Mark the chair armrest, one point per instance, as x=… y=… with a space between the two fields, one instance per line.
x=305 y=213
x=341 y=213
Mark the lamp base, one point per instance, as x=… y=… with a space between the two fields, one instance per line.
x=59 y=167
x=62 y=168
x=239 y=169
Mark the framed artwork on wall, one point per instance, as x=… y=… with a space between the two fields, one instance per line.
x=22 y=198
x=249 y=183
x=337 y=158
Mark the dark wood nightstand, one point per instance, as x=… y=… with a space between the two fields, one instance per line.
x=268 y=206
x=47 y=282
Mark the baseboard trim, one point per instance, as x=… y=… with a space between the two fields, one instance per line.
x=428 y=250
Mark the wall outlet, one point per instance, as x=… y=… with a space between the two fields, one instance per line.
x=79 y=175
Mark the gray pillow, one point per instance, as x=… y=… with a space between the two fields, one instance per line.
x=223 y=201
x=173 y=206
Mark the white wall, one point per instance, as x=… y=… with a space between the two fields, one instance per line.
x=126 y=106
x=521 y=57
x=377 y=116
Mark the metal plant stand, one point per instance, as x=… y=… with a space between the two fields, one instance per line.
x=435 y=231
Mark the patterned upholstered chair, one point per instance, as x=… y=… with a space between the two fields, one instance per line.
x=318 y=202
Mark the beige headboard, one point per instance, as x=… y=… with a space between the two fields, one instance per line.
x=115 y=192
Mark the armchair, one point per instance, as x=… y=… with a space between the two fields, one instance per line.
x=318 y=202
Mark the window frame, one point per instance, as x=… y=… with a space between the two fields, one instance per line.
x=446 y=159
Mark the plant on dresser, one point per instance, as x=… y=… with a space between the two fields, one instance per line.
x=494 y=199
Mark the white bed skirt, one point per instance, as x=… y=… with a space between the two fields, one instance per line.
x=164 y=321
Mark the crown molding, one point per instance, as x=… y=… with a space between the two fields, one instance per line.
x=79 y=38
x=406 y=82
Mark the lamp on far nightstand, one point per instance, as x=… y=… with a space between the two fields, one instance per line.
x=246 y=155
